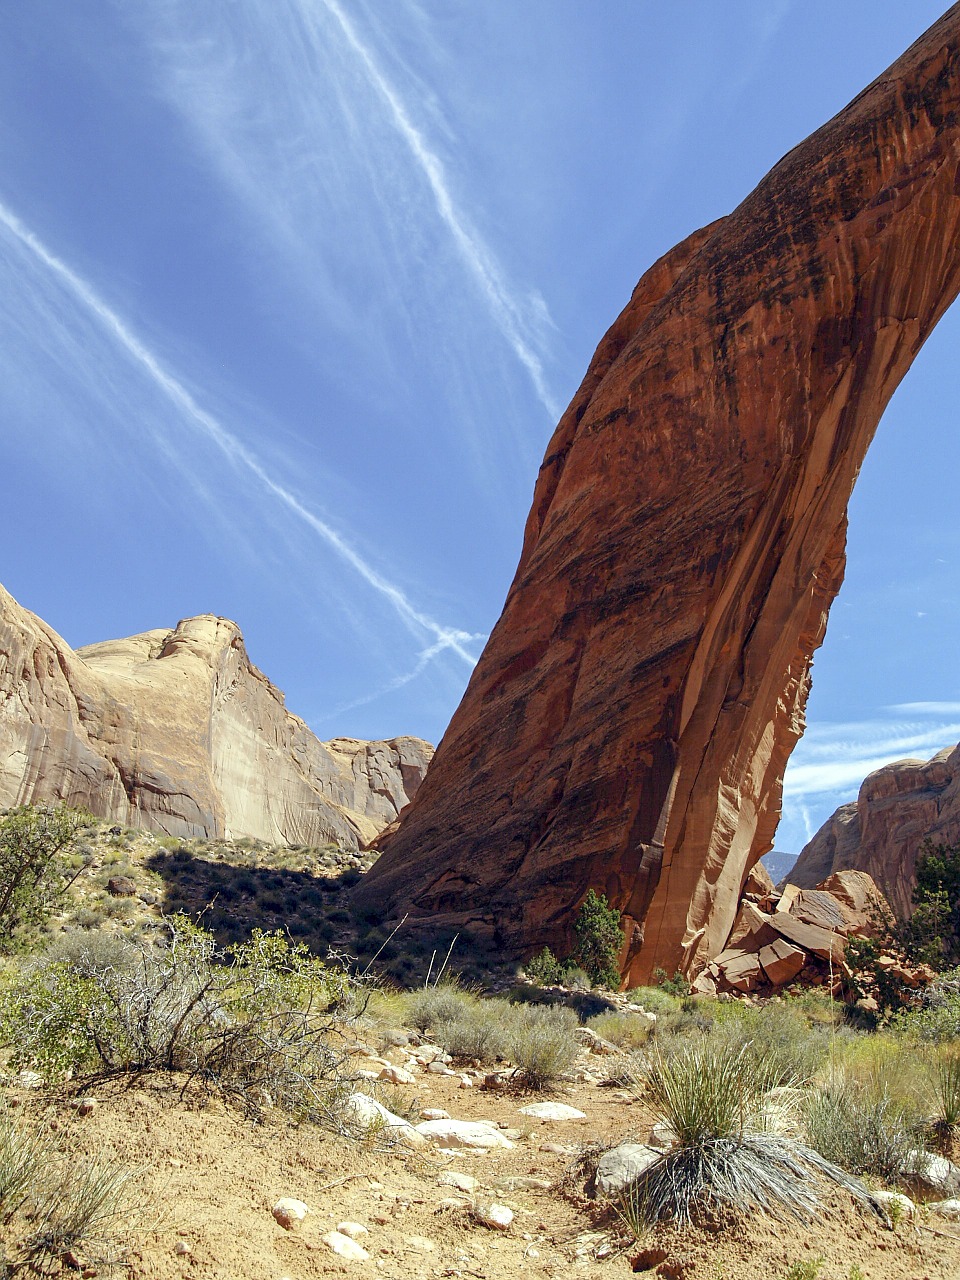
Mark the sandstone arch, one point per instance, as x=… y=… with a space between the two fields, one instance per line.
x=628 y=724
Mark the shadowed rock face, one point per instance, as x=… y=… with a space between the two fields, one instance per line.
x=899 y=806
x=178 y=732
x=628 y=724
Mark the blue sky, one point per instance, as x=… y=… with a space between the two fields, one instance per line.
x=293 y=291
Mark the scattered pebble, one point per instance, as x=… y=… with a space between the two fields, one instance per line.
x=290 y=1213
x=462 y=1181
x=353 y=1229
x=496 y=1216
x=345 y=1247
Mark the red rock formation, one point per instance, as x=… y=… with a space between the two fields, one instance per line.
x=899 y=806
x=628 y=724
x=177 y=731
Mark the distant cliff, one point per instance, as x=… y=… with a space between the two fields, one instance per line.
x=899 y=806
x=176 y=730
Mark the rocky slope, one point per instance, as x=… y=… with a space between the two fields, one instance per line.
x=899 y=806
x=628 y=724
x=176 y=730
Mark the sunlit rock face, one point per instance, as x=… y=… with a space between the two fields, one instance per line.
x=899 y=807
x=178 y=732
x=628 y=724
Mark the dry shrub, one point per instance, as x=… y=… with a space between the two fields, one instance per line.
x=256 y=1022
x=541 y=1044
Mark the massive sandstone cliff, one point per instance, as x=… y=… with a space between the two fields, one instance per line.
x=177 y=731
x=629 y=721
x=899 y=806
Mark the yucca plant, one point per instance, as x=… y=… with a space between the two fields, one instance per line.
x=947 y=1089
x=711 y=1096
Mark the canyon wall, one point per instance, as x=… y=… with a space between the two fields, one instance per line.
x=177 y=731
x=899 y=806
x=629 y=721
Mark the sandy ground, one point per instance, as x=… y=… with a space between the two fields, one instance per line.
x=208 y=1180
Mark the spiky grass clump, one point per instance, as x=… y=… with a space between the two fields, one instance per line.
x=711 y=1095
x=862 y=1130
x=84 y=1203
x=24 y=1154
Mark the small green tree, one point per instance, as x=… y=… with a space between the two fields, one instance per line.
x=932 y=934
x=599 y=939
x=33 y=875
x=544 y=968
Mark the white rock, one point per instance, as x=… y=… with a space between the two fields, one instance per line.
x=936 y=1172
x=462 y=1133
x=367 y=1113
x=621 y=1165
x=462 y=1181
x=290 y=1213
x=497 y=1216
x=466 y=1082
x=434 y=1113
x=345 y=1247
x=946 y=1209
x=397 y=1075
x=353 y=1229
x=28 y=1080
x=552 y=1111
x=890 y=1199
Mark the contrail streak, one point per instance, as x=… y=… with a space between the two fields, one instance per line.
x=234 y=449
x=473 y=252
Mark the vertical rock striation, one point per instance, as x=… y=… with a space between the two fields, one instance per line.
x=628 y=724
x=178 y=731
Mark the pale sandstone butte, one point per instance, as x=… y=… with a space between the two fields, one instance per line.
x=177 y=731
x=629 y=721
x=899 y=806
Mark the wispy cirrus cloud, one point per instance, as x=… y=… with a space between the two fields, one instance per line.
x=832 y=760
x=505 y=307
x=230 y=446
x=313 y=127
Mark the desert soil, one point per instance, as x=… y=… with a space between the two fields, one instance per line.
x=208 y=1179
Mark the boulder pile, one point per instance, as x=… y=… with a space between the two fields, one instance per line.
x=801 y=935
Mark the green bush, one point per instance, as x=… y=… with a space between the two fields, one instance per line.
x=654 y=999
x=626 y=1030
x=33 y=873
x=675 y=986
x=599 y=940
x=937 y=1018
x=932 y=934
x=544 y=968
